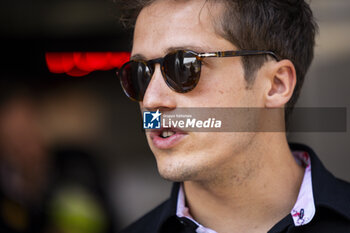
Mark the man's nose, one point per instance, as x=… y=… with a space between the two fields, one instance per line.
x=158 y=95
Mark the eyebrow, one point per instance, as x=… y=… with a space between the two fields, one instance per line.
x=187 y=47
x=198 y=49
x=138 y=56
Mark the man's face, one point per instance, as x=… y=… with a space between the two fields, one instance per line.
x=163 y=27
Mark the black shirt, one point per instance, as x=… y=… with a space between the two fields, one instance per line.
x=331 y=197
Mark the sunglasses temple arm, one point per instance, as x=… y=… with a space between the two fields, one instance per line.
x=257 y=52
x=239 y=53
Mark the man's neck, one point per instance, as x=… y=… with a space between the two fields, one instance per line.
x=251 y=202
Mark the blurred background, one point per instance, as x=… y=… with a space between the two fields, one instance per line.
x=73 y=156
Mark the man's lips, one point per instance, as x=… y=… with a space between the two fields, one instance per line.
x=166 y=142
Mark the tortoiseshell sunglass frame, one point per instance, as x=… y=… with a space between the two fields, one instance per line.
x=148 y=69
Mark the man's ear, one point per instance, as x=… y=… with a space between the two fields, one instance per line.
x=282 y=78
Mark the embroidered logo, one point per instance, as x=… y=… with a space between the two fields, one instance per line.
x=300 y=215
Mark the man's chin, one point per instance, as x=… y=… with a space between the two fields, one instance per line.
x=177 y=173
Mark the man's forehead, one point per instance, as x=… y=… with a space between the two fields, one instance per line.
x=175 y=25
x=197 y=10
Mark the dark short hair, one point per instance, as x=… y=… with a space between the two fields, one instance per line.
x=286 y=27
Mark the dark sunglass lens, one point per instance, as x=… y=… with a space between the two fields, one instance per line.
x=182 y=71
x=134 y=78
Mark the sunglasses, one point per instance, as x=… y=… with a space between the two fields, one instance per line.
x=181 y=70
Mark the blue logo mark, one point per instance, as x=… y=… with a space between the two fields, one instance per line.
x=151 y=120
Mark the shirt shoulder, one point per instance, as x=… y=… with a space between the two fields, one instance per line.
x=345 y=186
x=150 y=221
x=341 y=196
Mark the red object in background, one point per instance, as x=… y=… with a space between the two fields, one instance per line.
x=78 y=64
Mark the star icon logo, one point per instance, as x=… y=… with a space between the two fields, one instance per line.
x=151 y=120
x=156 y=115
